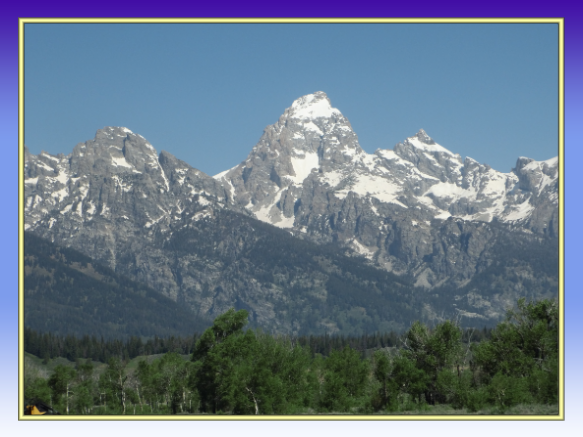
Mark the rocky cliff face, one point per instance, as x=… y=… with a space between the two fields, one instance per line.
x=309 y=174
x=112 y=196
x=418 y=211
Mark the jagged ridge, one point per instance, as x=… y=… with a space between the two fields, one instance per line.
x=417 y=210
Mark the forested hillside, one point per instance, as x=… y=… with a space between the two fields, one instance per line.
x=66 y=292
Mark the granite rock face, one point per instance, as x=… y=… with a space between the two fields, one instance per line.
x=112 y=197
x=392 y=206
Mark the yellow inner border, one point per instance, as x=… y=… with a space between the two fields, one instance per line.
x=561 y=103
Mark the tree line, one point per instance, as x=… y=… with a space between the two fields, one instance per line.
x=49 y=346
x=232 y=370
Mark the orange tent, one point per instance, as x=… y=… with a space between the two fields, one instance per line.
x=37 y=407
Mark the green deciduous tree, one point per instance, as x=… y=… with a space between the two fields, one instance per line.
x=145 y=386
x=244 y=372
x=61 y=384
x=382 y=373
x=345 y=380
x=84 y=387
x=221 y=349
x=409 y=378
x=37 y=388
x=172 y=379
x=522 y=348
x=225 y=325
x=113 y=383
x=432 y=352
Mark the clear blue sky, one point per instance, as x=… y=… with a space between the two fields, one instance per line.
x=205 y=92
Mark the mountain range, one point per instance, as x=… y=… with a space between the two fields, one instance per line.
x=448 y=236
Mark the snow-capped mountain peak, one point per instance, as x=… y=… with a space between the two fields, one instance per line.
x=425 y=143
x=309 y=163
x=310 y=138
x=312 y=106
x=116 y=175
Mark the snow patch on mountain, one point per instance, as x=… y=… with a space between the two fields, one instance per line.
x=203 y=201
x=43 y=166
x=449 y=191
x=181 y=175
x=61 y=194
x=519 y=212
x=310 y=126
x=284 y=222
x=120 y=162
x=362 y=250
x=220 y=175
x=91 y=209
x=303 y=164
x=544 y=168
x=539 y=165
x=62 y=177
x=374 y=186
x=332 y=178
x=495 y=184
x=427 y=147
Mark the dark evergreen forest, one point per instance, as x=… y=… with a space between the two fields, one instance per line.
x=48 y=345
x=67 y=293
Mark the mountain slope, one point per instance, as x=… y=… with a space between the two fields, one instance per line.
x=67 y=292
